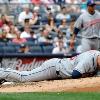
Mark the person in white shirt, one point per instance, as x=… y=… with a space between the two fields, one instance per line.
x=26 y=32
x=26 y=14
x=60 y=48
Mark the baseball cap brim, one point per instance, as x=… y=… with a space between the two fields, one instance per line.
x=91 y=4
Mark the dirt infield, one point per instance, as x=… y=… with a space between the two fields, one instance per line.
x=69 y=85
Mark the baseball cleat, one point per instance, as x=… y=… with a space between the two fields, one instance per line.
x=2 y=81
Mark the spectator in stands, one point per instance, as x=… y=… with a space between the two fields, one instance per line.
x=59 y=2
x=6 y=31
x=20 y=1
x=19 y=40
x=33 y=37
x=63 y=26
x=13 y=32
x=44 y=36
x=24 y=49
x=4 y=20
x=26 y=14
x=35 y=17
x=47 y=2
x=60 y=35
x=49 y=14
x=59 y=48
x=51 y=25
x=26 y=32
x=36 y=2
x=4 y=1
x=73 y=5
x=33 y=34
x=72 y=1
x=3 y=37
x=83 y=6
x=24 y=1
x=26 y=22
x=62 y=14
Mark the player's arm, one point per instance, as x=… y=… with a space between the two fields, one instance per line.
x=77 y=27
x=76 y=74
x=75 y=32
x=83 y=69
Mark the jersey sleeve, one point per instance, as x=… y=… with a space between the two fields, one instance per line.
x=85 y=66
x=79 y=22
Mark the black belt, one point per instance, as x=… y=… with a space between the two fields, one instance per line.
x=94 y=38
x=58 y=74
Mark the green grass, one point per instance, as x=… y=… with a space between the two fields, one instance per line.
x=50 y=96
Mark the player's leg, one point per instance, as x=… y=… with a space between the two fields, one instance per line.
x=86 y=45
x=95 y=44
x=46 y=71
x=2 y=76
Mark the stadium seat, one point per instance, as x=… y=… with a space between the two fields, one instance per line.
x=31 y=39
x=1 y=50
x=36 y=49
x=2 y=44
x=12 y=44
x=48 y=49
x=30 y=43
x=8 y=49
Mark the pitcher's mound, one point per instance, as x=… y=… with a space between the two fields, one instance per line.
x=67 y=85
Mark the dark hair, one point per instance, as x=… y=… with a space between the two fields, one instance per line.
x=26 y=20
x=50 y=19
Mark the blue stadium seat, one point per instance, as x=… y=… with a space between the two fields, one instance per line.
x=31 y=39
x=30 y=43
x=2 y=44
x=11 y=44
x=1 y=50
x=48 y=49
x=8 y=49
x=36 y=49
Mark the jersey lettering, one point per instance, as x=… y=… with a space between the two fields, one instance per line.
x=92 y=22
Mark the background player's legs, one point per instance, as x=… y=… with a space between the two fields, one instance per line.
x=86 y=45
x=90 y=44
x=95 y=44
x=46 y=71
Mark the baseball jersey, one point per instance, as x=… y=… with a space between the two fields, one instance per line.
x=84 y=63
x=89 y=24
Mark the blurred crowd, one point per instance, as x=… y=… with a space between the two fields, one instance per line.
x=41 y=22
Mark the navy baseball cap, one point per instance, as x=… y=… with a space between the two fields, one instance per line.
x=90 y=3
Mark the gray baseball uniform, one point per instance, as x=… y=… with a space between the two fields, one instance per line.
x=55 y=68
x=90 y=30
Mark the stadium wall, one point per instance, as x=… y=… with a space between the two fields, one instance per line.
x=27 y=61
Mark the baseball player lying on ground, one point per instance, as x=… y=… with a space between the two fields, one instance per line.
x=83 y=65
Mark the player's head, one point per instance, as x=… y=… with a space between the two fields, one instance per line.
x=91 y=6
